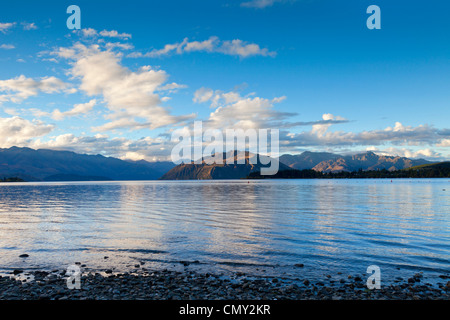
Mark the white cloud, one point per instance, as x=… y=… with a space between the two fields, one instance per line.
x=150 y=149
x=234 y=111
x=21 y=88
x=6 y=26
x=89 y=32
x=203 y=95
x=135 y=156
x=29 y=26
x=242 y=49
x=235 y=47
x=123 y=46
x=172 y=87
x=78 y=109
x=403 y=152
x=259 y=4
x=115 y=34
x=131 y=96
x=7 y=46
x=444 y=143
x=16 y=131
x=399 y=134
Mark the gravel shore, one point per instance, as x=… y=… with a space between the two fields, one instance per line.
x=145 y=284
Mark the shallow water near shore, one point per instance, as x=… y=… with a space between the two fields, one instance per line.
x=281 y=228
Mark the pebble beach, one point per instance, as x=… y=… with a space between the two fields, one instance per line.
x=144 y=284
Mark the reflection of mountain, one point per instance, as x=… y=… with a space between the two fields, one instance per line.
x=328 y=162
x=228 y=169
x=51 y=165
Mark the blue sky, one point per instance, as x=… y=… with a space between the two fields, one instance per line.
x=140 y=69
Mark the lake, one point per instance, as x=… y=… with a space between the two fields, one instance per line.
x=260 y=227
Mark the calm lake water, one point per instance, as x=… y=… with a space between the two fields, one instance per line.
x=256 y=227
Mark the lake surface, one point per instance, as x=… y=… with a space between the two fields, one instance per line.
x=261 y=227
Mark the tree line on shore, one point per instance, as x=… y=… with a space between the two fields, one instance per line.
x=12 y=179
x=425 y=172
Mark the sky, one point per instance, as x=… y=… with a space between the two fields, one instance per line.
x=138 y=70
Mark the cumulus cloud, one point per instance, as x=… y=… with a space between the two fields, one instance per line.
x=90 y=32
x=234 y=111
x=235 y=47
x=16 y=131
x=6 y=26
x=150 y=149
x=115 y=34
x=29 y=26
x=408 y=153
x=123 y=46
x=20 y=88
x=78 y=109
x=399 y=134
x=444 y=143
x=7 y=46
x=131 y=96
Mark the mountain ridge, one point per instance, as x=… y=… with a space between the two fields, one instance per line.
x=41 y=164
x=366 y=161
x=54 y=165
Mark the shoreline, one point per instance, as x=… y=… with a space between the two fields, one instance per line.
x=144 y=284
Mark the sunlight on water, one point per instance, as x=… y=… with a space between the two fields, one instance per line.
x=261 y=227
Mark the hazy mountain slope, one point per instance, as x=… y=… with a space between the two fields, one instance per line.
x=30 y=164
x=307 y=159
x=367 y=161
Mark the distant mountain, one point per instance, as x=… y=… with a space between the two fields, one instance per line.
x=40 y=165
x=50 y=165
x=229 y=169
x=368 y=161
x=307 y=159
x=329 y=162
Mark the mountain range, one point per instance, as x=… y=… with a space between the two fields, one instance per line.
x=228 y=169
x=51 y=165
x=330 y=162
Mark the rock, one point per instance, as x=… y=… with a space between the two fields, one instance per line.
x=306 y=282
x=299 y=265
x=24 y=255
x=17 y=271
